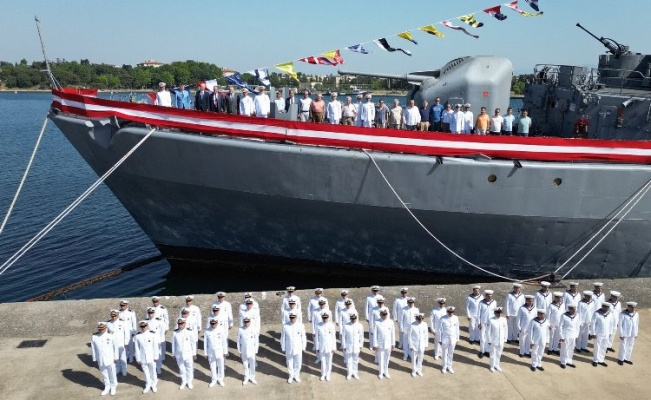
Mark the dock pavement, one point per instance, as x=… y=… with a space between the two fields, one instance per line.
x=62 y=369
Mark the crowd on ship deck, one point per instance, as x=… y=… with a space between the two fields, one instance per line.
x=540 y=324
x=437 y=117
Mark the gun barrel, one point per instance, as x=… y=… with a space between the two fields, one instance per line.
x=588 y=32
x=405 y=77
x=614 y=49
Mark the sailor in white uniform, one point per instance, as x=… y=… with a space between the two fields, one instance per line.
x=161 y=311
x=616 y=309
x=602 y=325
x=184 y=350
x=293 y=343
x=248 y=296
x=435 y=315
x=484 y=314
x=408 y=317
x=572 y=295
x=316 y=319
x=315 y=307
x=598 y=295
x=538 y=336
x=105 y=353
x=220 y=324
x=377 y=316
x=191 y=325
x=629 y=324
x=554 y=313
x=344 y=318
x=340 y=306
x=543 y=296
x=214 y=341
x=569 y=330
x=497 y=332
x=352 y=342
x=147 y=353
x=158 y=326
x=586 y=311
x=472 y=307
x=225 y=307
x=384 y=340
x=418 y=342
x=193 y=318
x=526 y=313
x=252 y=314
x=327 y=344
x=399 y=304
x=291 y=296
x=247 y=346
x=371 y=303
x=128 y=315
x=292 y=310
x=122 y=335
x=514 y=300
x=448 y=337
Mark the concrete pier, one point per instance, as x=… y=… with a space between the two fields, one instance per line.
x=63 y=369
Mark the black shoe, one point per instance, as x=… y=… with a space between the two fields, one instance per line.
x=620 y=362
x=558 y=352
x=610 y=349
x=603 y=364
x=480 y=355
x=594 y=363
x=563 y=366
x=628 y=362
x=540 y=368
x=572 y=365
x=487 y=354
x=533 y=369
x=549 y=352
x=585 y=350
x=529 y=355
x=521 y=355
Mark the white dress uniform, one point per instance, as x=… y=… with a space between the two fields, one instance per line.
x=122 y=335
x=340 y=306
x=222 y=324
x=352 y=341
x=538 y=336
x=367 y=114
x=132 y=321
x=326 y=345
x=408 y=317
x=293 y=342
x=384 y=338
x=247 y=346
x=434 y=317
x=315 y=321
x=162 y=312
x=512 y=305
x=525 y=315
x=543 y=299
x=629 y=324
x=184 y=349
x=399 y=304
x=456 y=126
x=601 y=327
x=160 y=328
x=472 y=307
x=313 y=306
x=358 y=112
x=569 y=329
x=371 y=303
x=484 y=314
x=262 y=105
x=285 y=317
x=147 y=354
x=334 y=111
x=586 y=311
x=375 y=317
x=616 y=309
x=570 y=298
x=105 y=353
x=214 y=340
x=498 y=329
x=418 y=342
x=254 y=315
x=193 y=322
x=597 y=298
x=226 y=309
x=246 y=105
x=554 y=313
x=449 y=334
x=344 y=318
x=468 y=121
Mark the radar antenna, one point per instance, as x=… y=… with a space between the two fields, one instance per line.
x=48 y=71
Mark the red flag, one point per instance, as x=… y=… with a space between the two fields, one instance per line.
x=318 y=60
x=152 y=97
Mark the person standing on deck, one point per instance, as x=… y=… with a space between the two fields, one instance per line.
x=247 y=107
x=497 y=334
x=105 y=353
x=629 y=324
x=472 y=307
x=163 y=96
x=514 y=300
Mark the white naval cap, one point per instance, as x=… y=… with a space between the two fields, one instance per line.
x=344 y=292
x=605 y=304
x=114 y=311
x=327 y=315
x=375 y=287
x=291 y=288
x=615 y=293
x=420 y=315
x=124 y=302
x=476 y=287
x=101 y=323
x=379 y=299
x=545 y=284
x=518 y=285
x=185 y=310
x=574 y=283
x=348 y=301
x=155 y=298
x=143 y=323
x=529 y=296
x=151 y=309
x=322 y=301
x=451 y=309
x=587 y=293
x=404 y=290
x=221 y=294
x=248 y=301
x=384 y=311
x=215 y=307
x=631 y=303
x=213 y=320
x=541 y=311
x=292 y=315
x=318 y=290
x=571 y=305
x=457 y=105
x=161 y=84
x=467 y=105
x=189 y=297
x=497 y=309
x=441 y=300
x=247 y=294
x=181 y=321
x=488 y=291
x=598 y=284
x=558 y=294
x=353 y=315
x=411 y=299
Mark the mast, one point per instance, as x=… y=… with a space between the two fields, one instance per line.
x=48 y=71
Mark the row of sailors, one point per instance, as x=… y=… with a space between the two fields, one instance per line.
x=534 y=328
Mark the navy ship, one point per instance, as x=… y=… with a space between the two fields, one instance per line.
x=206 y=186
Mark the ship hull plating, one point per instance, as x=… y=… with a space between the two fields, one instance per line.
x=199 y=195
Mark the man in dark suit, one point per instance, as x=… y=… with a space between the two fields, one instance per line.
x=231 y=103
x=202 y=98
x=290 y=100
x=216 y=100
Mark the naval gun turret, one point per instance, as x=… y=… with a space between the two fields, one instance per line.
x=482 y=81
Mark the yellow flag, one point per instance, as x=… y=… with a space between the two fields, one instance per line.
x=471 y=20
x=407 y=36
x=432 y=30
x=287 y=68
x=528 y=14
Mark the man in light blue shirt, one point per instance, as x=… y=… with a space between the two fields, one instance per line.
x=182 y=98
x=524 y=124
x=435 y=116
x=509 y=119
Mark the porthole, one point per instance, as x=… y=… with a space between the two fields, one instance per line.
x=558 y=181
x=492 y=178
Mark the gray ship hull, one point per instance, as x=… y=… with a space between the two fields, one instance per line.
x=203 y=195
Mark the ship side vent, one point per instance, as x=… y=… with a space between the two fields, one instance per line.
x=451 y=65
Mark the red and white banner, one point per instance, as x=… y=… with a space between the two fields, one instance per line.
x=389 y=140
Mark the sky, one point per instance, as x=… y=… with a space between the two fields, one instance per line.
x=254 y=34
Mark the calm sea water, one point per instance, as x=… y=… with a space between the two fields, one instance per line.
x=98 y=236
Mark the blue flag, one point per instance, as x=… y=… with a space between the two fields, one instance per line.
x=358 y=48
x=236 y=80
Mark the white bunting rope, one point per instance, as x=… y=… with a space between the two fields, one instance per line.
x=14 y=258
x=22 y=181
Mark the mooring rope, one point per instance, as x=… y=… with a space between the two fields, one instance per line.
x=16 y=256
x=22 y=181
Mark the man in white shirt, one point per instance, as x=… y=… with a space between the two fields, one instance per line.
x=262 y=103
x=399 y=304
x=514 y=300
x=147 y=353
x=215 y=348
x=293 y=342
x=333 y=110
x=395 y=115
x=468 y=119
x=554 y=313
x=246 y=104
x=408 y=317
x=163 y=96
x=105 y=353
x=497 y=334
x=279 y=101
x=602 y=325
x=411 y=116
x=384 y=340
x=224 y=307
x=418 y=342
x=507 y=126
x=472 y=306
x=449 y=334
x=367 y=112
x=484 y=314
x=326 y=344
x=348 y=112
x=457 y=120
x=569 y=331
x=352 y=343
x=538 y=336
x=304 y=106
x=629 y=325
x=586 y=311
x=247 y=346
x=184 y=349
x=436 y=314
x=497 y=121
